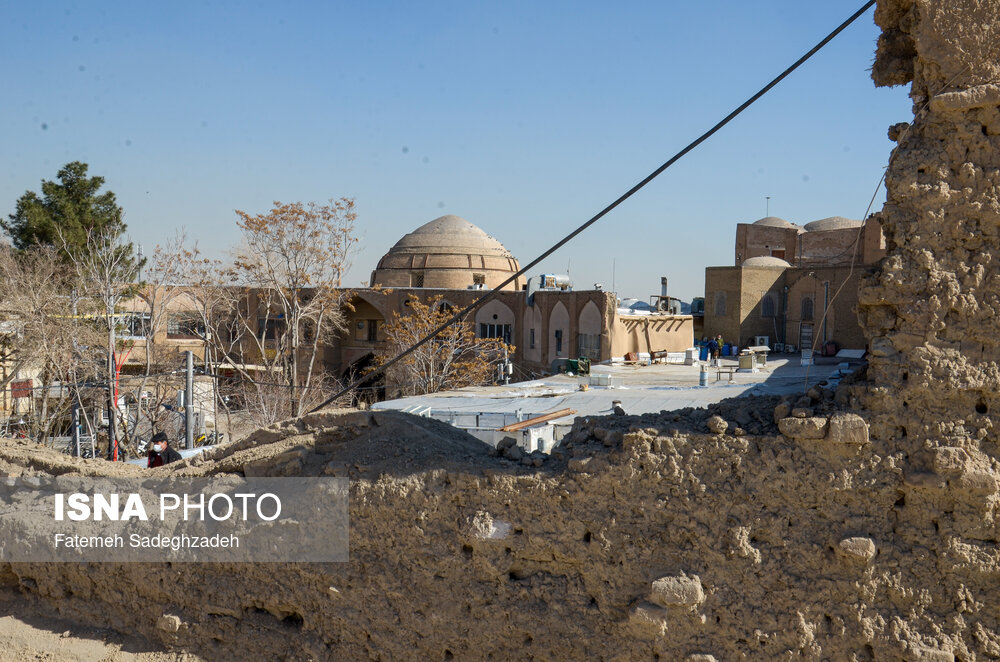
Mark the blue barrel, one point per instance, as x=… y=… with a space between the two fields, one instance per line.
x=703 y=378
x=727 y=349
x=703 y=354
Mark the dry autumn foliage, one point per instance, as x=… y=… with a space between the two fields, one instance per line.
x=292 y=261
x=455 y=358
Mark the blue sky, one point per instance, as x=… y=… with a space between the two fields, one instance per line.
x=525 y=118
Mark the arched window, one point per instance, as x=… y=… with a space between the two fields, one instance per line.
x=720 y=304
x=807 y=308
x=767 y=305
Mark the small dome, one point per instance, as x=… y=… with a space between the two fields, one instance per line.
x=832 y=223
x=765 y=261
x=775 y=222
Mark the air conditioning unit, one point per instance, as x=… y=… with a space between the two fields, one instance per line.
x=762 y=341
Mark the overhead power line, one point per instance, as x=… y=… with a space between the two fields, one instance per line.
x=625 y=196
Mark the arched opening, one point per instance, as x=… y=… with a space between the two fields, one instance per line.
x=558 y=332
x=495 y=320
x=532 y=348
x=372 y=390
x=588 y=337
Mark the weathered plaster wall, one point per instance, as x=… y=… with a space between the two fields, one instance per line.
x=931 y=311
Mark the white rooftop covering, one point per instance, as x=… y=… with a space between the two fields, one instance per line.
x=765 y=261
x=647 y=389
x=832 y=223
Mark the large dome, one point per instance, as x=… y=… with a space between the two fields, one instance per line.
x=448 y=252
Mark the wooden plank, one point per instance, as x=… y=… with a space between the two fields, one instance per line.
x=536 y=420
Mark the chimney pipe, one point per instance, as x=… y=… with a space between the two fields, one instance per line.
x=663 y=286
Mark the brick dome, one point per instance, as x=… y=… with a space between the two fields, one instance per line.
x=448 y=252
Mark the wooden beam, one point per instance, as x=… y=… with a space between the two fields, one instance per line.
x=520 y=425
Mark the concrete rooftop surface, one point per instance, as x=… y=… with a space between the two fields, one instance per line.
x=644 y=389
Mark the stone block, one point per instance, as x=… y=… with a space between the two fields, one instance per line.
x=859 y=548
x=882 y=347
x=950 y=460
x=701 y=657
x=924 y=479
x=921 y=654
x=637 y=442
x=802 y=412
x=803 y=428
x=169 y=623
x=579 y=464
x=979 y=482
x=514 y=453
x=847 y=429
x=505 y=443
x=717 y=424
x=783 y=410
x=677 y=591
x=649 y=620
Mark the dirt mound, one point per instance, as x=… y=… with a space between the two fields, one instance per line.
x=347 y=443
x=19 y=457
x=30 y=634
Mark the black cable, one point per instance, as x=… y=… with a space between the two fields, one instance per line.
x=628 y=194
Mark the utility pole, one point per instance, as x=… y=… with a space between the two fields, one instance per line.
x=505 y=367
x=189 y=402
x=112 y=383
x=76 y=429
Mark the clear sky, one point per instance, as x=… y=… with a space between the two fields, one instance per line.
x=525 y=118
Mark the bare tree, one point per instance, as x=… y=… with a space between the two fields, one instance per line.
x=455 y=358
x=44 y=334
x=106 y=268
x=292 y=262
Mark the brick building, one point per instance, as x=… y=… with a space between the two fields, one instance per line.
x=543 y=317
x=785 y=278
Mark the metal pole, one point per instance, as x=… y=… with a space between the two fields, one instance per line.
x=505 y=378
x=112 y=427
x=112 y=371
x=76 y=429
x=826 y=307
x=189 y=402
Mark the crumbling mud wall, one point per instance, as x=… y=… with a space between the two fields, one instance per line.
x=931 y=312
x=758 y=529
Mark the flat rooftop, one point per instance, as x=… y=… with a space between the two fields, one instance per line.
x=644 y=389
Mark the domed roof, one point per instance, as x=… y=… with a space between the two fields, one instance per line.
x=448 y=252
x=765 y=261
x=775 y=222
x=449 y=234
x=832 y=223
